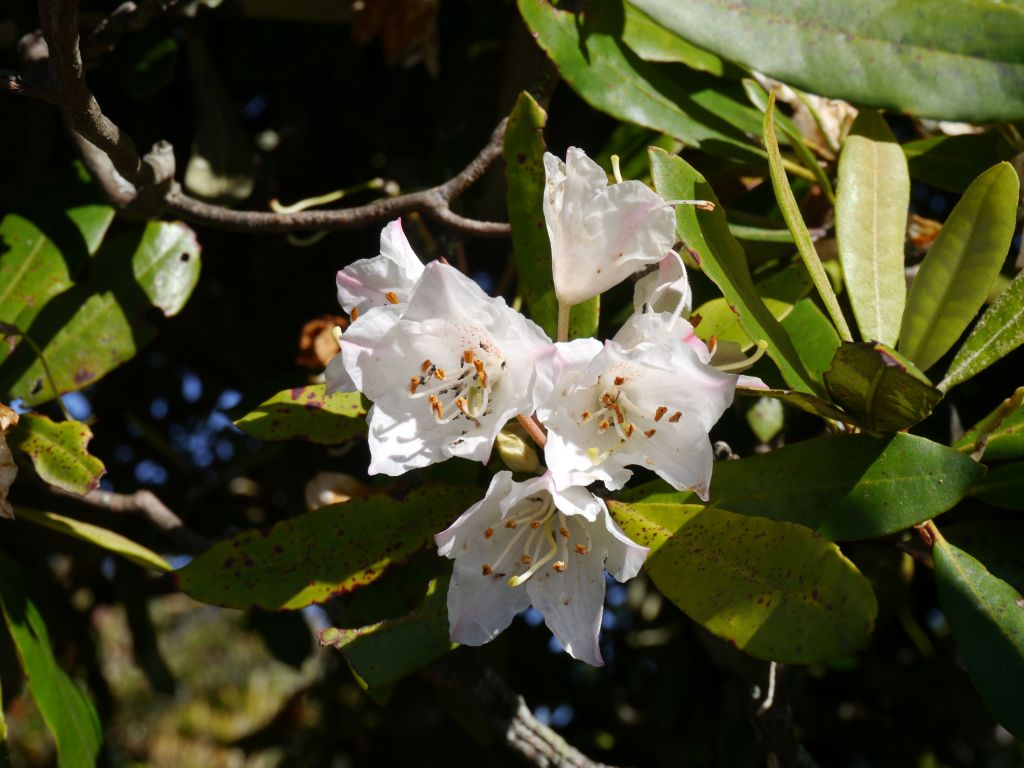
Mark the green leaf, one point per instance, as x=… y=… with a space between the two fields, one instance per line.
x=524 y=163
x=986 y=616
x=330 y=551
x=766 y=418
x=1002 y=486
x=698 y=109
x=43 y=247
x=101 y=537
x=998 y=545
x=652 y=42
x=91 y=328
x=795 y=222
x=66 y=710
x=844 y=487
x=872 y=52
x=307 y=413
x=1000 y=435
x=59 y=452
x=999 y=331
x=707 y=234
x=957 y=274
x=880 y=387
x=775 y=590
x=871 y=225
x=385 y=652
x=813 y=335
x=953 y=162
x=779 y=291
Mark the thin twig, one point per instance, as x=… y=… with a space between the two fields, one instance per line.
x=149 y=506
x=144 y=186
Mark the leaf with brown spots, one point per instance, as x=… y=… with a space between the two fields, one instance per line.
x=331 y=551
x=775 y=590
x=307 y=413
x=59 y=452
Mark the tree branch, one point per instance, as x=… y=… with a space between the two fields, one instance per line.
x=148 y=505
x=144 y=186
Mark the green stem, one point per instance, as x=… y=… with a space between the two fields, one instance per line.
x=563 y=321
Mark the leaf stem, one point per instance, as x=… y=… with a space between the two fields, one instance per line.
x=563 y=321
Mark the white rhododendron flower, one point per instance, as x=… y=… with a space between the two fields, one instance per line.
x=387 y=278
x=647 y=398
x=528 y=543
x=600 y=234
x=445 y=371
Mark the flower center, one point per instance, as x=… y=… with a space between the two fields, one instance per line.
x=461 y=391
x=616 y=410
x=533 y=541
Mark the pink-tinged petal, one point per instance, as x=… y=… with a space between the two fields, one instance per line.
x=385 y=279
x=750 y=382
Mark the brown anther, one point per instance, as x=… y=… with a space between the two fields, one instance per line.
x=564 y=531
x=439 y=372
x=619 y=381
x=526 y=559
x=414 y=384
x=481 y=372
x=630 y=429
x=462 y=404
x=391 y=296
x=581 y=549
x=486 y=570
x=607 y=401
x=649 y=432
x=675 y=416
x=511 y=523
x=603 y=425
x=354 y=314
x=662 y=410
x=488 y=533
x=435 y=406
x=585 y=417
x=619 y=415
x=712 y=344
x=559 y=566
x=467 y=356
x=425 y=365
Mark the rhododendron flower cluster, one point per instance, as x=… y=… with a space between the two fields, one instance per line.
x=447 y=367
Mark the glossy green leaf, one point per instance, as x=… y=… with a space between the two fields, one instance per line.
x=330 y=551
x=871 y=52
x=843 y=487
x=44 y=246
x=307 y=413
x=773 y=589
x=986 y=616
x=795 y=222
x=956 y=275
x=524 y=174
x=953 y=162
x=813 y=335
x=94 y=534
x=1002 y=486
x=998 y=545
x=59 y=452
x=779 y=291
x=66 y=710
x=1000 y=435
x=880 y=387
x=696 y=108
x=652 y=42
x=871 y=225
x=999 y=331
x=96 y=325
x=706 y=234
x=385 y=652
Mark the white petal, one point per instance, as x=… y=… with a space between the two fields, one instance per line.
x=337 y=377
x=625 y=556
x=667 y=289
x=572 y=602
x=366 y=283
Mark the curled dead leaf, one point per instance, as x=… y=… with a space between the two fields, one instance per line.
x=316 y=342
